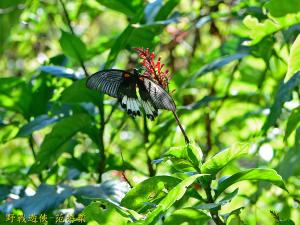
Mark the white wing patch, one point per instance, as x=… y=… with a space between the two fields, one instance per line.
x=132 y=105
x=150 y=111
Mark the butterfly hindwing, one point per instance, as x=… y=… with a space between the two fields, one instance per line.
x=122 y=85
x=160 y=98
x=128 y=97
x=107 y=81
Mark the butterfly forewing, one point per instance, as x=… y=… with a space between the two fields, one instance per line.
x=106 y=81
x=122 y=85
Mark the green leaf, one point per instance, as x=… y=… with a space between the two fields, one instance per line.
x=225 y=200
x=257 y=174
x=285 y=222
x=60 y=71
x=258 y=30
x=151 y=190
x=234 y=220
x=191 y=154
x=36 y=204
x=294 y=58
x=216 y=163
x=217 y=64
x=188 y=216
x=287 y=166
x=36 y=124
x=280 y=8
x=7 y=132
x=105 y=213
x=15 y=95
x=57 y=141
x=72 y=46
x=129 y=8
x=110 y=190
x=78 y=92
x=283 y=94
x=292 y=123
x=174 y=195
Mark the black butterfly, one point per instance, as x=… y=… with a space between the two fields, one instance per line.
x=122 y=85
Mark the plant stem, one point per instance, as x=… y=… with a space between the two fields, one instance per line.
x=213 y=212
x=151 y=169
x=72 y=31
x=187 y=141
x=101 y=166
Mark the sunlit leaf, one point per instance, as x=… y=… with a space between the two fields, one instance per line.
x=257 y=174
x=217 y=162
x=283 y=94
x=292 y=123
x=294 y=59
x=174 y=195
x=187 y=216
x=280 y=8
x=151 y=190
x=60 y=71
x=258 y=30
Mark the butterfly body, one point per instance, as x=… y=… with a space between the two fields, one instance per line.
x=123 y=85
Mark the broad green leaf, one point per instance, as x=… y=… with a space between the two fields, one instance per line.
x=110 y=190
x=36 y=124
x=60 y=71
x=78 y=92
x=191 y=154
x=188 y=216
x=129 y=8
x=57 y=141
x=225 y=200
x=166 y=9
x=151 y=190
x=152 y=9
x=258 y=30
x=287 y=166
x=234 y=220
x=217 y=64
x=174 y=195
x=292 y=123
x=283 y=94
x=217 y=162
x=105 y=213
x=294 y=59
x=36 y=204
x=285 y=222
x=15 y=95
x=257 y=174
x=72 y=46
x=280 y=8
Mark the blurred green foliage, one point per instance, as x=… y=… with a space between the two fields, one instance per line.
x=67 y=149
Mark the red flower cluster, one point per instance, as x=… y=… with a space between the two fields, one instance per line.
x=153 y=69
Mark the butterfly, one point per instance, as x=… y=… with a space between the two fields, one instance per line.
x=123 y=85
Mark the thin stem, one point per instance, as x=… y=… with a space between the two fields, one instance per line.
x=187 y=141
x=151 y=169
x=213 y=212
x=72 y=31
x=101 y=166
x=123 y=170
